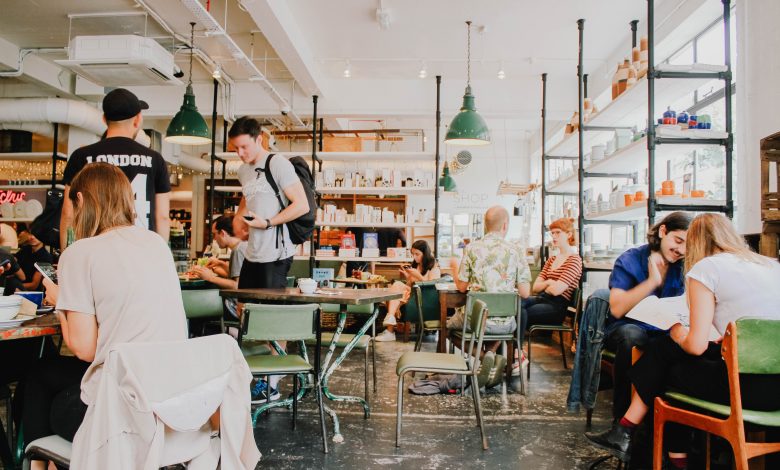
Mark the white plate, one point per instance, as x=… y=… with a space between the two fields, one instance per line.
x=20 y=209
x=14 y=323
x=7 y=210
x=34 y=208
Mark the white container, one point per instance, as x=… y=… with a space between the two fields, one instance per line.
x=307 y=285
x=597 y=152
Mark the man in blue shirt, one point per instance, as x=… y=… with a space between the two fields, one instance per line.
x=652 y=269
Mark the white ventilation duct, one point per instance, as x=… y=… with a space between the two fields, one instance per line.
x=37 y=115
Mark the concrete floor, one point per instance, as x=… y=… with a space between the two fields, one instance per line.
x=439 y=432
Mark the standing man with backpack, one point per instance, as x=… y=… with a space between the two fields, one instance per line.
x=270 y=250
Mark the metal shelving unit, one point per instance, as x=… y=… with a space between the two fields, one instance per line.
x=653 y=205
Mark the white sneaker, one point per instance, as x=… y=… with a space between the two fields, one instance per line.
x=386 y=335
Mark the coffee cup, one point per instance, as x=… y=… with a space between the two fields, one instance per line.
x=307 y=285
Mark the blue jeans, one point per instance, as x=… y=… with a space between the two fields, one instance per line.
x=587 y=360
x=543 y=309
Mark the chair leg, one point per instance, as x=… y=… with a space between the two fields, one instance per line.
x=588 y=417
x=399 y=410
x=740 y=453
x=321 y=406
x=528 y=373
x=563 y=350
x=295 y=400
x=365 y=373
x=503 y=378
x=418 y=342
x=373 y=354
x=407 y=327
x=478 y=409
x=658 y=436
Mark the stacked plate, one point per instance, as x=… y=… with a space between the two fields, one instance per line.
x=9 y=306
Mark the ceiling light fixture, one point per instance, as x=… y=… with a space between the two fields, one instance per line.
x=188 y=126
x=501 y=74
x=383 y=17
x=347 y=70
x=468 y=127
x=423 y=71
x=446 y=181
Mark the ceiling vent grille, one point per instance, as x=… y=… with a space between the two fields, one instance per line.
x=121 y=60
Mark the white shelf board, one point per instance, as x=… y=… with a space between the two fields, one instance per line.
x=569 y=146
x=376 y=225
x=630 y=108
x=351 y=156
x=599 y=264
x=28 y=186
x=376 y=191
x=29 y=156
x=638 y=211
x=568 y=184
x=15 y=219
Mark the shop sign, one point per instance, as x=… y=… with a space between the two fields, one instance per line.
x=472 y=200
x=9 y=195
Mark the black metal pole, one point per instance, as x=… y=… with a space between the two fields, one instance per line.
x=436 y=174
x=314 y=99
x=321 y=141
x=54 y=155
x=542 y=254
x=224 y=133
x=650 y=112
x=585 y=85
x=580 y=136
x=728 y=110
x=633 y=24
x=210 y=215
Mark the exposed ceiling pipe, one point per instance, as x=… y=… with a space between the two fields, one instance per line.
x=60 y=110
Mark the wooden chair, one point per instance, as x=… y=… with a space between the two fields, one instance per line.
x=749 y=346
x=573 y=309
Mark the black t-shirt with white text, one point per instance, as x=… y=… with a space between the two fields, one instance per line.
x=144 y=167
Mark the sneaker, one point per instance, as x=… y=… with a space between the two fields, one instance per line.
x=517 y=366
x=260 y=392
x=386 y=335
x=496 y=375
x=485 y=367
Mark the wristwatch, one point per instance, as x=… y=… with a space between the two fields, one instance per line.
x=268 y=224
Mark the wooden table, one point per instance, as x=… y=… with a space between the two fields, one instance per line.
x=343 y=297
x=42 y=325
x=359 y=282
x=449 y=298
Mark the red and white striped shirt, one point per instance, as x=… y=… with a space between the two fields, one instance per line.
x=569 y=272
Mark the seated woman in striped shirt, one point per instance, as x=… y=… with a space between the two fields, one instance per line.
x=553 y=288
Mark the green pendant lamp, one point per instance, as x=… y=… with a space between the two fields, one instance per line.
x=446 y=181
x=468 y=127
x=188 y=126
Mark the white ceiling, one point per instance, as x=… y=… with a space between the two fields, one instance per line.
x=315 y=38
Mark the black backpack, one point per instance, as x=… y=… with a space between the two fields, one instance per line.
x=300 y=229
x=46 y=227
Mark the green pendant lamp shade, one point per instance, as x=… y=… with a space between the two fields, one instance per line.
x=188 y=126
x=446 y=181
x=468 y=127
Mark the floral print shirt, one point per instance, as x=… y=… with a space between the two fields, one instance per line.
x=493 y=264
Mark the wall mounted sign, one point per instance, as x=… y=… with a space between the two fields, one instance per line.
x=9 y=195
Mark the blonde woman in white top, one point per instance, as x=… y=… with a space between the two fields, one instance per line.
x=725 y=281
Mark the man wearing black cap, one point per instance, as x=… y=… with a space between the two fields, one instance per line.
x=145 y=168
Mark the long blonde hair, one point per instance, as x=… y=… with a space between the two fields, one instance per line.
x=710 y=234
x=106 y=200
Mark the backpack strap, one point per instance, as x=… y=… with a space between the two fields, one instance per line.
x=270 y=178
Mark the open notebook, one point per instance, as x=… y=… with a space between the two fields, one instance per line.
x=665 y=313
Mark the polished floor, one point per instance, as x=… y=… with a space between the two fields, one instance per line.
x=439 y=432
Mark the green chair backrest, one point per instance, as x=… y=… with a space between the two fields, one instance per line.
x=475 y=315
x=758 y=347
x=202 y=303
x=499 y=304
x=280 y=322
x=365 y=309
x=429 y=301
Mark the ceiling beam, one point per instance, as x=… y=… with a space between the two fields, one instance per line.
x=39 y=71
x=280 y=28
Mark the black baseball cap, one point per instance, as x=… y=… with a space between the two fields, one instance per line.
x=120 y=104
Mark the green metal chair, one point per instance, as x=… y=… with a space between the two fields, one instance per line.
x=574 y=309
x=425 y=299
x=291 y=323
x=499 y=304
x=203 y=304
x=749 y=346
x=448 y=363
x=363 y=343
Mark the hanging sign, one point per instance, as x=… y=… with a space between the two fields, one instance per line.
x=9 y=195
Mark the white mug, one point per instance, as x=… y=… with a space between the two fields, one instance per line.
x=307 y=285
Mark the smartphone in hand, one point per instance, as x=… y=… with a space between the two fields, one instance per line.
x=249 y=218
x=48 y=271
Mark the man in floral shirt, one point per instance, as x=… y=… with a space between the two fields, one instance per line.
x=491 y=264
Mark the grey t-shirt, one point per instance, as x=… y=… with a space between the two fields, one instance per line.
x=237 y=260
x=261 y=199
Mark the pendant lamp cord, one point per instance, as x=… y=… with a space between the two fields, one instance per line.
x=468 y=55
x=192 y=48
